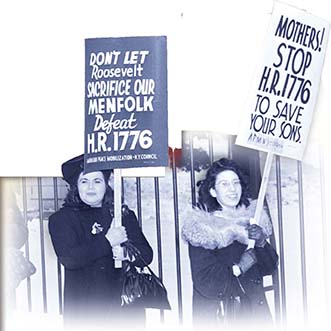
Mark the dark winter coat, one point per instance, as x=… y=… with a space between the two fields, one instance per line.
x=92 y=286
x=216 y=243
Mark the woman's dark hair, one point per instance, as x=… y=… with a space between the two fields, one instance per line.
x=209 y=203
x=73 y=199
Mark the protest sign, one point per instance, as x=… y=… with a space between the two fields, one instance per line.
x=126 y=114
x=126 y=119
x=284 y=90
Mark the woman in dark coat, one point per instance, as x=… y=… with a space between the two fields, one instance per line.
x=87 y=245
x=217 y=235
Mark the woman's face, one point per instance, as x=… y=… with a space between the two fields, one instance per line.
x=92 y=188
x=227 y=189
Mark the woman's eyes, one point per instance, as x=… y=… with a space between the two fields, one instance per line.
x=96 y=181
x=227 y=184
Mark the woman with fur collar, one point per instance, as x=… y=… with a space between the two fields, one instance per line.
x=217 y=234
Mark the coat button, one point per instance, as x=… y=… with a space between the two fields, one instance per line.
x=261 y=302
x=102 y=268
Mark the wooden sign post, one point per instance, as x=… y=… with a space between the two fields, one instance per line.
x=262 y=192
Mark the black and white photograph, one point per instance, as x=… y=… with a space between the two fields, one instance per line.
x=165 y=165
x=191 y=226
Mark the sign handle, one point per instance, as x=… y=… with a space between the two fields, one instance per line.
x=262 y=192
x=117 y=205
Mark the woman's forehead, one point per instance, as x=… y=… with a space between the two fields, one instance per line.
x=91 y=175
x=227 y=175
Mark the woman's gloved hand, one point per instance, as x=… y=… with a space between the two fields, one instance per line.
x=116 y=235
x=247 y=260
x=256 y=233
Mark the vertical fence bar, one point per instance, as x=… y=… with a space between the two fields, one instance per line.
x=122 y=189
x=27 y=249
x=211 y=148
x=138 y=182
x=230 y=146
x=42 y=244
x=59 y=274
x=275 y=281
x=255 y=176
x=177 y=238
x=302 y=243
x=281 y=240
x=158 y=234
x=281 y=250
x=193 y=191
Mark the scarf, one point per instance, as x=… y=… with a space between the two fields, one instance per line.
x=221 y=228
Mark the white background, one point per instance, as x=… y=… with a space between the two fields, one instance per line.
x=213 y=47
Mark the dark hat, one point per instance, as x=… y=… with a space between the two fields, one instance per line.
x=72 y=168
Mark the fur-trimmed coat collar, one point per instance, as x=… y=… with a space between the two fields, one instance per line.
x=220 y=229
